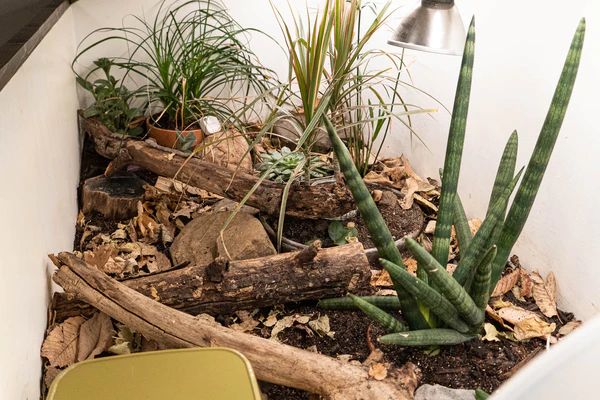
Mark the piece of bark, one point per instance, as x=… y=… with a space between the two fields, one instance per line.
x=114 y=197
x=247 y=284
x=271 y=361
x=106 y=143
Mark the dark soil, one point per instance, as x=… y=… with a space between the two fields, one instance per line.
x=400 y=222
x=471 y=365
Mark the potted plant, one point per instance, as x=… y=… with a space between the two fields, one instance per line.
x=193 y=61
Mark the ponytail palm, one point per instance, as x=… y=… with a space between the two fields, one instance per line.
x=191 y=59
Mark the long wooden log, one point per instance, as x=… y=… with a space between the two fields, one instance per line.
x=247 y=284
x=272 y=362
x=327 y=200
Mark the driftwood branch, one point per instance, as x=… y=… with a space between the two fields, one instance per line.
x=326 y=200
x=272 y=362
x=247 y=284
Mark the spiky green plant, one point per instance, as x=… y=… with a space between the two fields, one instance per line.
x=457 y=301
x=282 y=163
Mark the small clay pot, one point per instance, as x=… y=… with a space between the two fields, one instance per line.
x=168 y=137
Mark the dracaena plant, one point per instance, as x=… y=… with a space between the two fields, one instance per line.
x=360 y=93
x=439 y=308
x=331 y=67
x=191 y=59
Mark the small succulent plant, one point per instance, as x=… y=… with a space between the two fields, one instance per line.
x=440 y=308
x=282 y=163
x=341 y=233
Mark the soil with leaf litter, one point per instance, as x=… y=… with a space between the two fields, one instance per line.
x=348 y=335
x=475 y=364
x=400 y=222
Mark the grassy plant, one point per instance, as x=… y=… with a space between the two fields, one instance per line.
x=191 y=59
x=458 y=301
x=113 y=102
x=358 y=93
x=331 y=66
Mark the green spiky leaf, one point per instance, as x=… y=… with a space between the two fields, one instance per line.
x=387 y=322
x=426 y=337
x=446 y=285
x=521 y=206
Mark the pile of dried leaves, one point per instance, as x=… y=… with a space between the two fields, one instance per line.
x=131 y=248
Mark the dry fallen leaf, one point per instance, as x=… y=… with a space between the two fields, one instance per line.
x=100 y=255
x=378 y=371
x=381 y=278
x=50 y=374
x=287 y=322
x=525 y=284
x=411 y=265
x=413 y=186
x=95 y=336
x=126 y=341
x=60 y=346
x=321 y=326
x=247 y=322
x=494 y=315
x=506 y=283
x=544 y=293
x=527 y=324
x=568 y=327
x=474 y=225
x=491 y=333
x=533 y=327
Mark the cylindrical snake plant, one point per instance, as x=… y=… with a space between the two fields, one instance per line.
x=458 y=301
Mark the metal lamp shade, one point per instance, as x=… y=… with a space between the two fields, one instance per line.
x=433 y=26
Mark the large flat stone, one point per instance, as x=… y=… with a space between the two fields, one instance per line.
x=244 y=238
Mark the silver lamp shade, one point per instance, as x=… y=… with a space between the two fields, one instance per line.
x=434 y=26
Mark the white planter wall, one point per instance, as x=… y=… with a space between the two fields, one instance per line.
x=39 y=168
x=520 y=50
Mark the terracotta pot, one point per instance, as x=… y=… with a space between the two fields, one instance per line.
x=168 y=137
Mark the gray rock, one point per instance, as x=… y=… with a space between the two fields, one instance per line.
x=244 y=238
x=439 y=392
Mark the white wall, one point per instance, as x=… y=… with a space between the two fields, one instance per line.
x=39 y=168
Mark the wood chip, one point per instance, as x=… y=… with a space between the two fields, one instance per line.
x=378 y=371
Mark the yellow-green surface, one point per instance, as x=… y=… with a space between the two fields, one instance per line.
x=210 y=374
